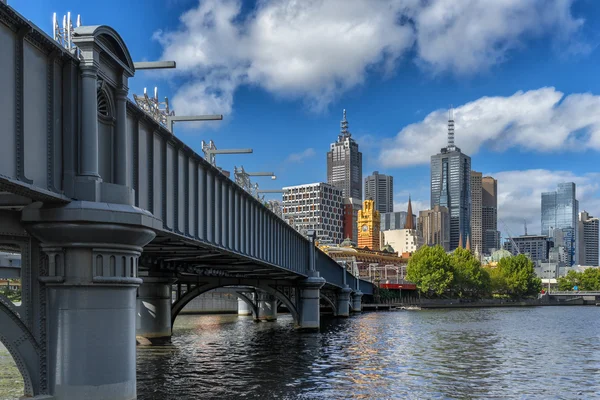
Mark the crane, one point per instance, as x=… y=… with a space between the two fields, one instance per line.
x=514 y=245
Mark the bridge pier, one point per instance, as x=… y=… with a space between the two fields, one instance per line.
x=309 y=317
x=357 y=301
x=343 y=302
x=243 y=308
x=90 y=277
x=267 y=307
x=153 y=320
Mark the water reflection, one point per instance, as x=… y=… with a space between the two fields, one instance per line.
x=486 y=353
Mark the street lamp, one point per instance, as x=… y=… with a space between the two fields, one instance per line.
x=210 y=152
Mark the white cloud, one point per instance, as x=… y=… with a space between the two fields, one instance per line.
x=417 y=205
x=300 y=157
x=540 y=120
x=519 y=196
x=317 y=49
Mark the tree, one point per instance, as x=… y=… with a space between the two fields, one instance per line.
x=586 y=280
x=470 y=280
x=519 y=275
x=498 y=283
x=429 y=268
x=568 y=282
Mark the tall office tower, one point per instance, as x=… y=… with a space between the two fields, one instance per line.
x=316 y=206
x=368 y=227
x=489 y=215
x=351 y=208
x=380 y=188
x=559 y=212
x=434 y=226
x=476 y=212
x=451 y=186
x=588 y=235
x=394 y=220
x=344 y=164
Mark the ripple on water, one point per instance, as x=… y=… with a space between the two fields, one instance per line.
x=468 y=354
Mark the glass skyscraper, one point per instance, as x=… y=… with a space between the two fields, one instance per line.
x=451 y=187
x=559 y=213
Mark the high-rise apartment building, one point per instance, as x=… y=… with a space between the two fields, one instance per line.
x=315 y=206
x=588 y=235
x=344 y=163
x=351 y=208
x=380 y=188
x=434 y=227
x=559 y=211
x=476 y=221
x=451 y=186
x=489 y=215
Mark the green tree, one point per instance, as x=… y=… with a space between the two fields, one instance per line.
x=567 y=282
x=429 y=268
x=519 y=276
x=590 y=279
x=498 y=283
x=470 y=279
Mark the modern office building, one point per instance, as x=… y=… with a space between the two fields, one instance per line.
x=489 y=215
x=394 y=220
x=559 y=211
x=451 y=186
x=588 y=235
x=476 y=210
x=537 y=247
x=351 y=208
x=315 y=206
x=380 y=188
x=434 y=227
x=344 y=164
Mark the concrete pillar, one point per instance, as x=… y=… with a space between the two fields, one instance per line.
x=91 y=278
x=88 y=146
x=121 y=153
x=357 y=301
x=244 y=308
x=267 y=307
x=153 y=320
x=343 y=302
x=309 y=317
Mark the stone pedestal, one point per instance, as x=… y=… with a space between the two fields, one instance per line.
x=357 y=301
x=343 y=302
x=309 y=317
x=267 y=307
x=90 y=275
x=153 y=320
x=243 y=308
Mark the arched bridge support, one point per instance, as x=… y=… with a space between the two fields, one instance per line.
x=309 y=307
x=153 y=321
x=266 y=306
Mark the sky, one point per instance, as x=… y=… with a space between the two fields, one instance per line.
x=521 y=75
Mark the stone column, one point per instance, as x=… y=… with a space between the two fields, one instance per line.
x=243 y=308
x=267 y=307
x=91 y=280
x=154 y=310
x=357 y=301
x=120 y=146
x=309 y=317
x=343 y=302
x=88 y=146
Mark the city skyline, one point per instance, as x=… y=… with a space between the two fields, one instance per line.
x=535 y=73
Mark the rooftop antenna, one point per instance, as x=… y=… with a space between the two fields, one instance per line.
x=451 y=127
x=344 y=132
x=64 y=35
x=525 y=224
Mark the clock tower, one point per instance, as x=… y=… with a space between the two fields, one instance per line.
x=368 y=226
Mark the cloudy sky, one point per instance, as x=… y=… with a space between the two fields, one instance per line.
x=521 y=74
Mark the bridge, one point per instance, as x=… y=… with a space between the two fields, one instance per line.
x=119 y=224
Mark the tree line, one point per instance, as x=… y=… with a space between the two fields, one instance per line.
x=586 y=280
x=461 y=275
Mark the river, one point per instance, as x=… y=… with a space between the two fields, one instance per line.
x=525 y=353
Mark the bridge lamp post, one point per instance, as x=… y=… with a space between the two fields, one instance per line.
x=210 y=151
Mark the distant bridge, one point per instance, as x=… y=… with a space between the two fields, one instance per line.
x=112 y=213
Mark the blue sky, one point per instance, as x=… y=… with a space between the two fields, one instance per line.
x=521 y=74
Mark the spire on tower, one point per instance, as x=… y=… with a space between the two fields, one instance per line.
x=344 y=132
x=409 y=224
x=451 y=127
x=468 y=247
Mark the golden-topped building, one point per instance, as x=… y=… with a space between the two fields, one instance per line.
x=369 y=226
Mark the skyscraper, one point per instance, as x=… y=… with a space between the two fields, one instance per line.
x=451 y=186
x=380 y=188
x=588 y=235
x=476 y=223
x=559 y=213
x=434 y=227
x=344 y=163
x=489 y=214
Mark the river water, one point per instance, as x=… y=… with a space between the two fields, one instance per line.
x=524 y=353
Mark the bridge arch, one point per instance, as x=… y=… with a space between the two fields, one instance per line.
x=329 y=301
x=180 y=303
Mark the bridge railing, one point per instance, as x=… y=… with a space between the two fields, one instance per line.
x=575 y=293
x=196 y=200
